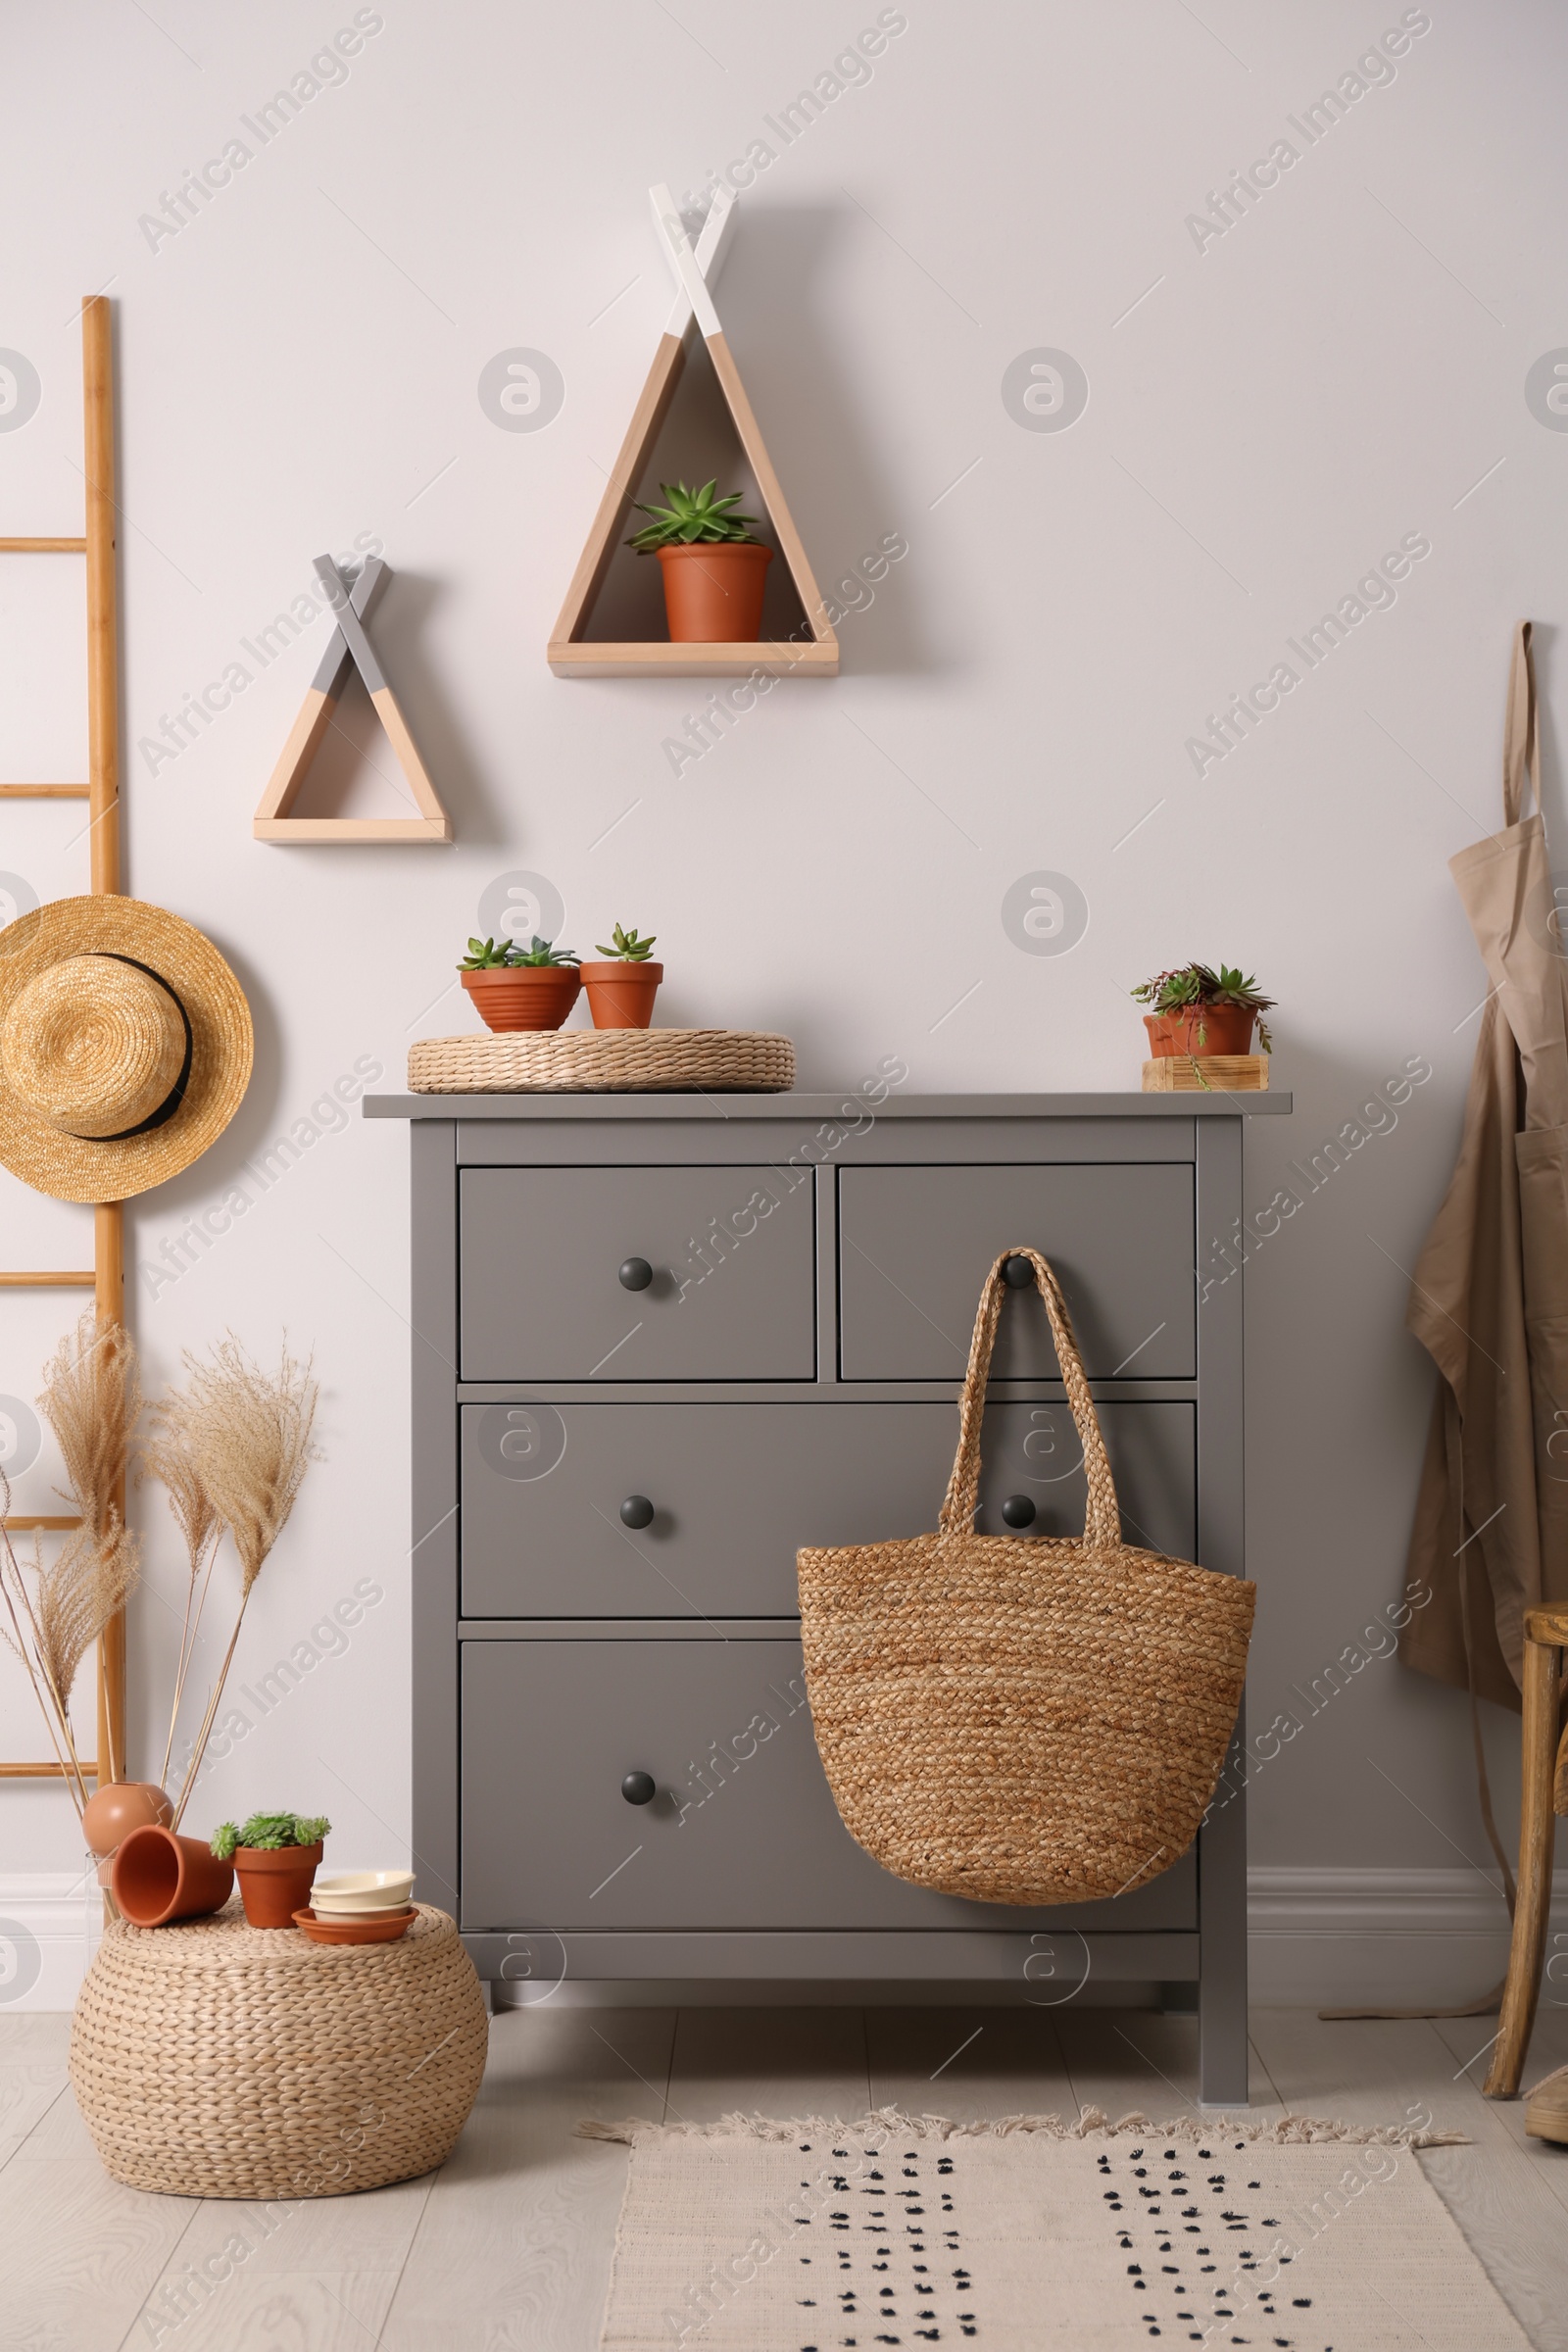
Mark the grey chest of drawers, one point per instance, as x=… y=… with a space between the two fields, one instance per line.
x=660 y=1341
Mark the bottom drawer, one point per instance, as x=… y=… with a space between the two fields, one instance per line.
x=743 y=1832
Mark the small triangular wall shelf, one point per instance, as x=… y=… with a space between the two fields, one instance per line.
x=810 y=650
x=350 y=649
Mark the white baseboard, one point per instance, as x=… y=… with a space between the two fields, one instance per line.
x=1319 y=1938
x=49 y=1928
x=1324 y=1939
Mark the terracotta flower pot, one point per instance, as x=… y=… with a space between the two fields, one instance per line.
x=158 y=1876
x=275 y=1881
x=713 y=594
x=117 y=1808
x=1226 y=1029
x=524 y=996
x=620 y=995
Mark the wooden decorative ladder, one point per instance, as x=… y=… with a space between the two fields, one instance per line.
x=107 y=1278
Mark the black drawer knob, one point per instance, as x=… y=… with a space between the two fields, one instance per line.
x=638 y=1789
x=635 y=1274
x=636 y=1511
x=1018 y=1274
x=1019 y=1510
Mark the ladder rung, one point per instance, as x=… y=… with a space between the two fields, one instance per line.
x=42 y=1519
x=44 y=547
x=49 y=1282
x=47 y=1772
x=45 y=792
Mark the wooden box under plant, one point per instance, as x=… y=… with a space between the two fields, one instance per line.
x=1192 y=1073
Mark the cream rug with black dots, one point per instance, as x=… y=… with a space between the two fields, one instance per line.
x=1030 y=2236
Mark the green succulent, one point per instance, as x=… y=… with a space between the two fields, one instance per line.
x=539 y=952
x=628 y=948
x=485 y=957
x=1197 y=985
x=692 y=517
x=267 y=1832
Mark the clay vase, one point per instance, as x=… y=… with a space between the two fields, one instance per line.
x=1227 y=1029
x=158 y=1876
x=275 y=1881
x=713 y=593
x=117 y=1808
x=524 y=996
x=620 y=995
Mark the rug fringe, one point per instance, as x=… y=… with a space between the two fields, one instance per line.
x=1285 y=2130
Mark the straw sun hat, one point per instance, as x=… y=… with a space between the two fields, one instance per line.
x=125 y=1047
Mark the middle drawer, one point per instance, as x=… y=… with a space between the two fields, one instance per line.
x=734 y=1489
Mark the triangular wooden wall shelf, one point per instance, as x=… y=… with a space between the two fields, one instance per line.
x=350 y=649
x=573 y=655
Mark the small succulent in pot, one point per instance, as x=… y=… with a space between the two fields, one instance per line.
x=630 y=945
x=621 y=990
x=1197 y=1010
x=713 y=566
x=539 y=955
x=485 y=957
x=270 y=1834
x=275 y=1857
x=515 y=988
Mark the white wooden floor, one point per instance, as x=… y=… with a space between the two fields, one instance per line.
x=507 y=2248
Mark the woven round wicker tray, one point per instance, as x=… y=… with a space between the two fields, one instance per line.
x=213 y=2059
x=588 y=1061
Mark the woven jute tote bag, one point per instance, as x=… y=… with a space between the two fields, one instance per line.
x=1022 y=1720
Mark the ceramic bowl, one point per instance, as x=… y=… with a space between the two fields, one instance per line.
x=364 y=1928
x=361 y=1893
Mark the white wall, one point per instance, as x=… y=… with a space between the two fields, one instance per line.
x=1267 y=416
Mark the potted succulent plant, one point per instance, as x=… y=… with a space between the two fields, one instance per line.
x=715 y=569
x=275 y=1857
x=520 y=988
x=621 y=990
x=1199 y=1010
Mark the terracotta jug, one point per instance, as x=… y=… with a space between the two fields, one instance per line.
x=275 y=1881
x=158 y=1876
x=117 y=1808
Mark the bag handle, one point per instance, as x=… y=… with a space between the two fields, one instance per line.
x=1521 y=730
x=1103 y=1517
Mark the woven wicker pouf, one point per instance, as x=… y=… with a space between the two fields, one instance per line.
x=217 y=2060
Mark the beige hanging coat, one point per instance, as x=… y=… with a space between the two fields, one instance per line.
x=1489 y=1301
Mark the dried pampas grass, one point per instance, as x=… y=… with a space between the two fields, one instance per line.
x=232 y=1448
x=247 y=1435
x=92 y=1400
x=169 y=1459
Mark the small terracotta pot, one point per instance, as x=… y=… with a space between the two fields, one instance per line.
x=158 y=1876
x=275 y=1881
x=713 y=594
x=1227 y=1029
x=620 y=995
x=117 y=1808
x=524 y=996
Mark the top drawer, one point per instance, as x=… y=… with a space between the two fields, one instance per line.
x=733 y=1289
x=915 y=1245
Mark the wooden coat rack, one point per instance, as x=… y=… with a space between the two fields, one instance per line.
x=101 y=792
x=570 y=654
